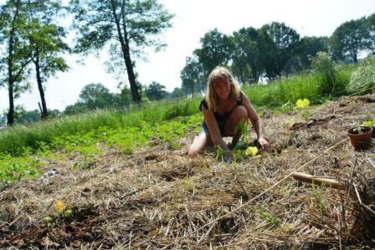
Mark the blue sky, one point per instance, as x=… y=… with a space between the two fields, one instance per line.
x=193 y=19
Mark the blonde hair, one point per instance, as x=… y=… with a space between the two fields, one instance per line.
x=221 y=73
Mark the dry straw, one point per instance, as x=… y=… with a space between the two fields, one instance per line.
x=159 y=198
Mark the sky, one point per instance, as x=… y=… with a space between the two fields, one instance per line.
x=194 y=18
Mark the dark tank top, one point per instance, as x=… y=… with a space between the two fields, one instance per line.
x=218 y=115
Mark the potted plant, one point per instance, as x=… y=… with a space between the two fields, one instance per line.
x=370 y=123
x=360 y=137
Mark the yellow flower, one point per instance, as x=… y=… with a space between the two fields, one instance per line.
x=60 y=206
x=302 y=103
x=252 y=151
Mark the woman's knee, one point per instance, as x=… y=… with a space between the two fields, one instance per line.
x=237 y=118
x=239 y=113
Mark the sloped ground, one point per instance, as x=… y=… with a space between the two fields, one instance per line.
x=159 y=198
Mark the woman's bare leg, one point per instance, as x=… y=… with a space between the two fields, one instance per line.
x=232 y=127
x=199 y=144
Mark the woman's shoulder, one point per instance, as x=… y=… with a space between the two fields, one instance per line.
x=203 y=104
x=243 y=96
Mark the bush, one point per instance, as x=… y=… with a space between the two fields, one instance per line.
x=363 y=79
x=329 y=83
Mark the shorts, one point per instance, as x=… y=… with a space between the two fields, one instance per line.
x=220 y=123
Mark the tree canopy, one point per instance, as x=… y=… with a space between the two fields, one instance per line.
x=124 y=27
x=155 y=91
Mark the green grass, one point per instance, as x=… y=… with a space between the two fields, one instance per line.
x=285 y=92
x=21 y=140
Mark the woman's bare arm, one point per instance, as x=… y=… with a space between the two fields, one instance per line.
x=256 y=121
x=213 y=128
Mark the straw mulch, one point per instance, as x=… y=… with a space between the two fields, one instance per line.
x=159 y=198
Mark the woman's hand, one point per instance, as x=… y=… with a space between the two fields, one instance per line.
x=228 y=156
x=263 y=143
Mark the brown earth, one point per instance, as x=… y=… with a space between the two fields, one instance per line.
x=159 y=198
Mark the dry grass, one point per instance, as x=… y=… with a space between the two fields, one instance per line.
x=159 y=198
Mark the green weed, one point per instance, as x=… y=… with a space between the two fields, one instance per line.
x=16 y=168
x=269 y=217
x=318 y=200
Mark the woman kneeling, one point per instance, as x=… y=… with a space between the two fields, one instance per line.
x=224 y=108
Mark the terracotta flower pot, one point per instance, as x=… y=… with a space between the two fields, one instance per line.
x=360 y=139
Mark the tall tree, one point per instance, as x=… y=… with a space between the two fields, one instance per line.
x=95 y=95
x=155 y=91
x=287 y=43
x=122 y=99
x=177 y=93
x=192 y=76
x=216 y=50
x=45 y=38
x=267 y=53
x=350 y=38
x=246 y=63
x=125 y=25
x=310 y=47
x=18 y=54
x=370 y=26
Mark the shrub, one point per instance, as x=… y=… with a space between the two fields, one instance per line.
x=324 y=67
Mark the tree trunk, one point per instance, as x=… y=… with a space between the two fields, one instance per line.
x=10 y=115
x=355 y=59
x=40 y=87
x=126 y=52
x=130 y=70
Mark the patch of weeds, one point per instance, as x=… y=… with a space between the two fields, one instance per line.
x=290 y=121
x=90 y=155
x=238 y=154
x=286 y=107
x=317 y=200
x=173 y=145
x=61 y=214
x=219 y=153
x=285 y=191
x=14 y=169
x=269 y=217
x=44 y=149
x=188 y=184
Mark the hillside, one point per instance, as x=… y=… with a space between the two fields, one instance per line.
x=157 y=197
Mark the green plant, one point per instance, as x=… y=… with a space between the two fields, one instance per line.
x=358 y=130
x=237 y=154
x=369 y=123
x=219 y=153
x=318 y=197
x=269 y=217
x=324 y=67
x=61 y=214
x=14 y=169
